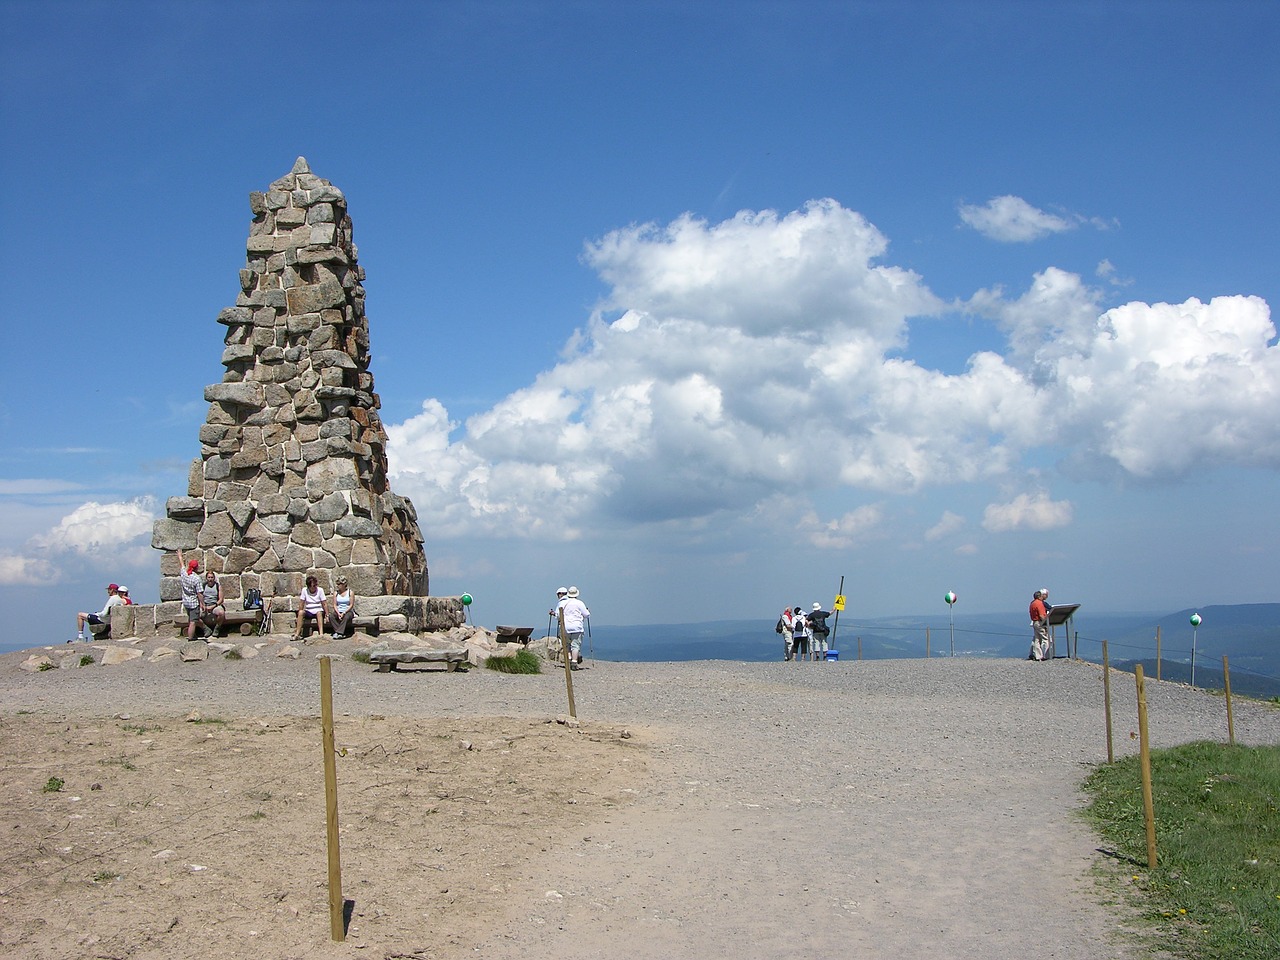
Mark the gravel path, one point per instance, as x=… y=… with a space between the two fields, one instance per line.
x=907 y=808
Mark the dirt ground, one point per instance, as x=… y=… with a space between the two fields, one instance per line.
x=907 y=810
x=210 y=831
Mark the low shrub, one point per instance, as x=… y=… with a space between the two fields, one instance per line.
x=525 y=661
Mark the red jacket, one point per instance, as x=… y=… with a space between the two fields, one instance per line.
x=1038 y=612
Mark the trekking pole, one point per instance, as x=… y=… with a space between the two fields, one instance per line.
x=590 y=648
x=550 y=617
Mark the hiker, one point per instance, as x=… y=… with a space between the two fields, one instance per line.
x=574 y=615
x=124 y=595
x=189 y=582
x=784 y=627
x=799 y=634
x=818 y=626
x=95 y=619
x=1039 y=627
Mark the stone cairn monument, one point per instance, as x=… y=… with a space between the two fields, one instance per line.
x=292 y=474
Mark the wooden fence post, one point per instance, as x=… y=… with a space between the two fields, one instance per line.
x=337 y=926
x=1106 y=699
x=1144 y=759
x=1226 y=682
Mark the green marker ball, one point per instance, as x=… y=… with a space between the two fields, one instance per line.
x=1195 y=620
x=466 y=599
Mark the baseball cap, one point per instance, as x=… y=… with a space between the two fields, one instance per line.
x=112 y=586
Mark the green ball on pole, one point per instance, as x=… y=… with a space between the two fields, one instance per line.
x=1195 y=620
x=950 y=597
x=466 y=599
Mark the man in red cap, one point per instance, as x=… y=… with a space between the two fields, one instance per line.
x=94 y=619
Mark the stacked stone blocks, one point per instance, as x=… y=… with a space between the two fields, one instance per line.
x=292 y=474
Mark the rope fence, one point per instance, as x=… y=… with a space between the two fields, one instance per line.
x=1154 y=657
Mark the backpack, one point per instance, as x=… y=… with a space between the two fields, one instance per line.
x=252 y=598
x=778 y=628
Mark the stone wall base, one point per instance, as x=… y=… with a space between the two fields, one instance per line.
x=392 y=613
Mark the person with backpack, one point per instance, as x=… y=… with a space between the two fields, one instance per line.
x=818 y=625
x=784 y=627
x=799 y=634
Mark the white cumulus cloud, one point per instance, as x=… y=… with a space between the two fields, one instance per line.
x=1010 y=219
x=98 y=528
x=741 y=372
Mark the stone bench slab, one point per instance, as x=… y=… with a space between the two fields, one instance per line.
x=388 y=660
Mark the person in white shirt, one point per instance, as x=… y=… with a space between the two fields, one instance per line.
x=574 y=615
x=95 y=619
x=311 y=606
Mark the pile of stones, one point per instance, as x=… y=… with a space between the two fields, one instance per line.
x=292 y=474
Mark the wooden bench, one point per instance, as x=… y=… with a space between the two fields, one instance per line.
x=388 y=660
x=247 y=621
x=518 y=635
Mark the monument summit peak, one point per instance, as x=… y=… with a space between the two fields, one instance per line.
x=292 y=473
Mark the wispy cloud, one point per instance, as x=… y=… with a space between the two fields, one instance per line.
x=1010 y=219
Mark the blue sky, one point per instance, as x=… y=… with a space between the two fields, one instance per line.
x=698 y=307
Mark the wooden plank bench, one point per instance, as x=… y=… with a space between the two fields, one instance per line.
x=388 y=660
x=513 y=634
x=246 y=621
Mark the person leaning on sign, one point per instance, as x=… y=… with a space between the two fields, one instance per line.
x=1039 y=627
x=818 y=624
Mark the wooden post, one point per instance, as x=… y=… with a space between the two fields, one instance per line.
x=926 y=643
x=1157 y=652
x=337 y=926
x=568 y=662
x=1226 y=683
x=1106 y=699
x=1144 y=758
x=859 y=648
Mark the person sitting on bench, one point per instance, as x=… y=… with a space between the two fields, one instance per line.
x=99 y=618
x=312 y=606
x=342 y=609
x=212 y=611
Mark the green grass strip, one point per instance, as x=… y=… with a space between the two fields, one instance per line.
x=1215 y=892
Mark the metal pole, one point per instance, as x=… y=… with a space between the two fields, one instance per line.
x=1193 y=655
x=951 y=611
x=835 y=624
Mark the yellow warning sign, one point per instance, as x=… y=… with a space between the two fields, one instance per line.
x=839 y=604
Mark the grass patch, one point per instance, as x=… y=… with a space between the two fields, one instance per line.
x=233 y=654
x=139 y=728
x=47 y=666
x=1215 y=892
x=123 y=762
x=53 y=785
x=525 y=661
x=360 y=656
x=207 y=720
x=86 y=660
